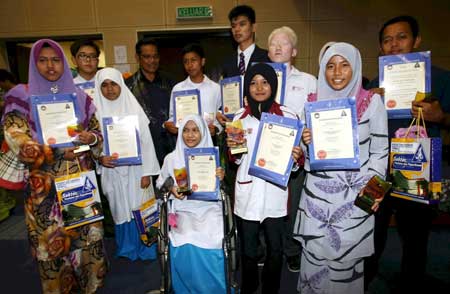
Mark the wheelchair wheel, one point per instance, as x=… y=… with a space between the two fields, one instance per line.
x=163 y=251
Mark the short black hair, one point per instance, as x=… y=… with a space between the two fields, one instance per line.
x=7 y=76
x=143 y=42
x=244 y=10
x=81 y=43
x=412 y=22
x=193 y=47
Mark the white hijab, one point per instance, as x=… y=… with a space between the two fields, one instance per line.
x=349 y=52
x=205 y=141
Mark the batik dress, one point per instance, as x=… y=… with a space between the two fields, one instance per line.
x=335 y=234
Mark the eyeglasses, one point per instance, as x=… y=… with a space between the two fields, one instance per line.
x=85 y=57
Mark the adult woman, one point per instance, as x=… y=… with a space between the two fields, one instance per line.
x=335 y=234
x=126 y=187
x=259 y=204
x=67 y=259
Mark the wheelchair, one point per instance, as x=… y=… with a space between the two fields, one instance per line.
x=229 y=244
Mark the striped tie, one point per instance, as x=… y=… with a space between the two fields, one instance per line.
x=241 y=64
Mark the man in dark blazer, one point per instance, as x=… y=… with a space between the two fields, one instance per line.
x=243 y=27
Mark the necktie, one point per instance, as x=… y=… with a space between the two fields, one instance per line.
x=241 y=63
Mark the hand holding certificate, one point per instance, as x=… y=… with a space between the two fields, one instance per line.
x=231 y=89
x=201 y=166
x=56 y=118
x=272 y=158
x=402 y=76
x=333 y=125
x=122 y=139
x=185 y=103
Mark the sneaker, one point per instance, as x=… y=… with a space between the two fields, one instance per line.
x=293 y=263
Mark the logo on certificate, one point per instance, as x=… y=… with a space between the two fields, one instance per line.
x=261 y=162
x=321 y=154
x=316 y=115
x=43 y=108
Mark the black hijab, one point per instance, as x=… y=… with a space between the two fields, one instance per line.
x=270 y=75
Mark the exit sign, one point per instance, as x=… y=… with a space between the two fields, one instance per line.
x=194 y=12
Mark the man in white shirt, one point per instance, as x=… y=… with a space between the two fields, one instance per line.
x=282 y=44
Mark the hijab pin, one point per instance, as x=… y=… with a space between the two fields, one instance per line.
x=54 y=89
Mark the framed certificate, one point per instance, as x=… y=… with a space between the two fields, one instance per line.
x=87 y=87
x=56 y=119
x=231 y=90
x=402 y=76
x=201 y=166
x=185 y=103
x=335 y=139
x=272 y=157
x=121 y=139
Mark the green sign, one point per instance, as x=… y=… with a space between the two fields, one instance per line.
x=194 y=12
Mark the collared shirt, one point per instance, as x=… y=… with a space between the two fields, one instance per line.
x=154 y=97
x=209 y=97
x=298 y=86
x=247 y=54
x=79 y=79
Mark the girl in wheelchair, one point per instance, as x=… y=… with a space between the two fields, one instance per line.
x=196 y=227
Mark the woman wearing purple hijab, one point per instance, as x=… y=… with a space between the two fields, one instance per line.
x=68 y=260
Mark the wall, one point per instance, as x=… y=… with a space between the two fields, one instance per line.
x=315 y=21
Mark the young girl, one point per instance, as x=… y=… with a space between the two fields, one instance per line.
x=126 y=187
x=194 y=62
x=334 y=233
x=259 y=204
x=196 y=256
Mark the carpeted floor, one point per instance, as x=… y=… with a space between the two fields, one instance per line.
x=18 y=272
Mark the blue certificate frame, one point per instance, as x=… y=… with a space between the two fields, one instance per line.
x=209 y=151
x=231 y=80
x=40 y=101
x=121 y=161
x=185 y=93
x=390 y=60
x=280 y=179
x=86 y=85
x=333 y=163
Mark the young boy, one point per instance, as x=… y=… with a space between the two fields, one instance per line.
x=194 y=62
x=85 y=55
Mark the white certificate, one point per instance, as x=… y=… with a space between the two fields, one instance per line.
x=185 y=105
x=121 y=137
x=401 y=84
x=275 y=147
x=231 y=95
x=202 y=173
x=332 y=134
x=54 y=120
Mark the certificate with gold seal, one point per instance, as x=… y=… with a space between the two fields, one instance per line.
x=231 y=91
x=201 y=166
x=272 y=156
x=184 y=103
x=56 y=119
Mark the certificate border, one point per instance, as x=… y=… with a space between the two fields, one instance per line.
x=226 y=81
x=341 y=163
x=184 y=93
x=86 y=85
x=205 y=196
x=36 y=100
x=424 y=56
x=255 y=170
x=136 y=160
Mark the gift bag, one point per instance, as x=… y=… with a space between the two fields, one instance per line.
x=79 y=198
x=146 y=217
x=415 y=165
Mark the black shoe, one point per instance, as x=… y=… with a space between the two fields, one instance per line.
x=293 y=263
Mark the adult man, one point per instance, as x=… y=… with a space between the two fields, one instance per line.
x=282 y=44
x=152 y=89
x=85 y=55
x=398 y=36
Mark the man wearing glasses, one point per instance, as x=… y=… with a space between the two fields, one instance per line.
x=85 y=55
x=152 y=89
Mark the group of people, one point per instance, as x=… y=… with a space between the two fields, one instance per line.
x=313 y=223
